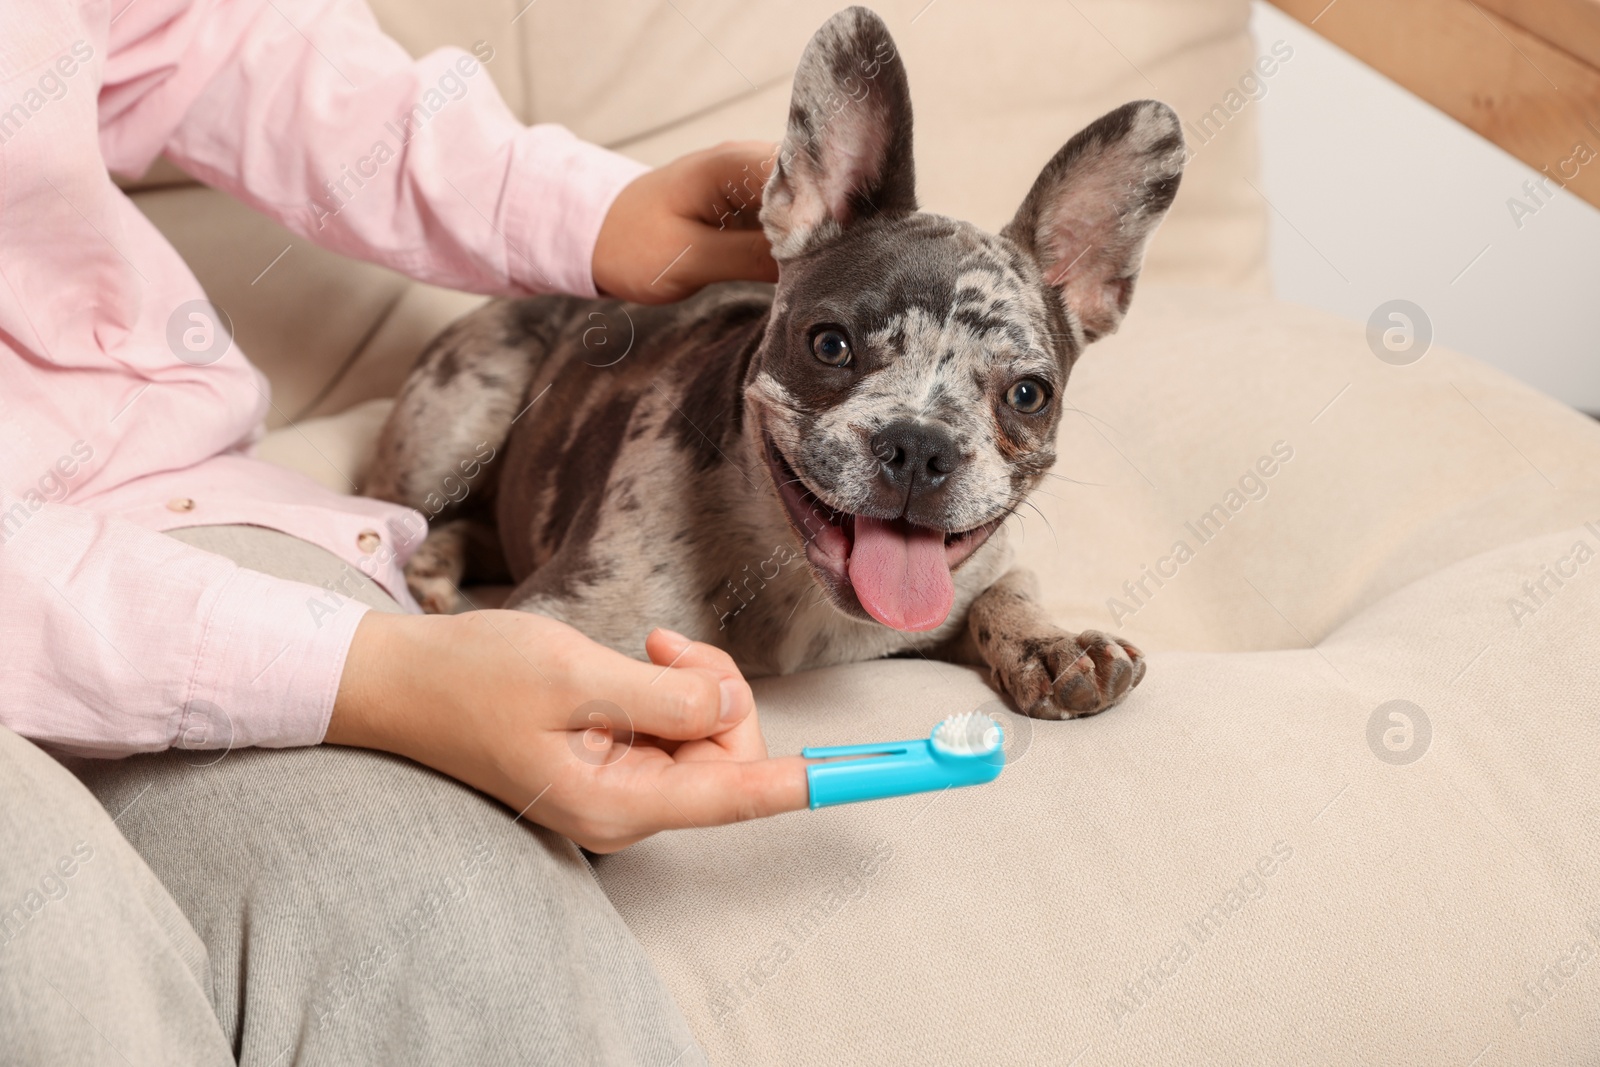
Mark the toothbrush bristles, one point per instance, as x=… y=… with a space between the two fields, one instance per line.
x=971 y=733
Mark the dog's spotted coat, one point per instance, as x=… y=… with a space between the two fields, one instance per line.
x=714 y=479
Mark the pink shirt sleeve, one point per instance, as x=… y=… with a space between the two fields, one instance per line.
x=306 y=111
x=118 y=639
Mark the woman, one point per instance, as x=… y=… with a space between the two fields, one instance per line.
x=308 y=904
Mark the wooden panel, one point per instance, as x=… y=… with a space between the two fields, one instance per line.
x=1571 y=25
x=1538 y=102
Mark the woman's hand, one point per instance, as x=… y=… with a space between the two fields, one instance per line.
x=602 y=748
x=688 y=224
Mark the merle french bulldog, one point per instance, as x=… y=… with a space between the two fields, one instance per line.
x=817 y=472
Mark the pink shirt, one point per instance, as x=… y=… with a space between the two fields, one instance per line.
x=115 y=639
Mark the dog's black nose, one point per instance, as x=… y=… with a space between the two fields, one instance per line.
x=915 y=456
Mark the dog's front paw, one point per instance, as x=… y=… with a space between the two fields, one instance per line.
x=436 y=596
x=430 y=582
x=435 y=570
x=1064 y=676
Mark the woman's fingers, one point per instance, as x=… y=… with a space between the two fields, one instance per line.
x=727 y=255
x=704 y=253
x=531 y=711
x=699 y=695
x=733 y=174
x=647 y=791
x=685 y=225
x=714 y=793
x=741 y=741
x=669 y=648
x=730 y=244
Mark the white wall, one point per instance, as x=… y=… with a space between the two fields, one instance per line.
x=1376 y=196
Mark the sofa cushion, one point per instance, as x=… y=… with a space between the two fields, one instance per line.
x=1236 y=867
x=1251 y=861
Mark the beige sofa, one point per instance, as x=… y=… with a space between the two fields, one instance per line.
x=1261 y=858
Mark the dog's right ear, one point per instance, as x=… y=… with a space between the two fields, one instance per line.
x=847 y=152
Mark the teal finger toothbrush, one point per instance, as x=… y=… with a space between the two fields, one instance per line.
x=964 y=749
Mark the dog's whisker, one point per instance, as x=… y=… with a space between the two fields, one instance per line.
x=1092 y=417
x=1074 y=481
x=1048 y=524
x=801 y=599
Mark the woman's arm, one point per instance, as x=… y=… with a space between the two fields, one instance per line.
x=306 y=111
x=117 y=640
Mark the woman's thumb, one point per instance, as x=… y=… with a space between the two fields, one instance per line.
x=689 y=689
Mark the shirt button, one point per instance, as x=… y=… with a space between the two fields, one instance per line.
x=368 y=541
x=180 y=503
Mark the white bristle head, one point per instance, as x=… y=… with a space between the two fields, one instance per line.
x=971 y=733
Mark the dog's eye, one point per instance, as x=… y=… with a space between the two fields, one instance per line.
x=832 y=347
x=1028 y=396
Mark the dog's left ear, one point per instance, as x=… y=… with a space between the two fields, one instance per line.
x=1093 y=208
x=847 y=152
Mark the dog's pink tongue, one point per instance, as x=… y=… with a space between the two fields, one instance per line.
x=900 y=575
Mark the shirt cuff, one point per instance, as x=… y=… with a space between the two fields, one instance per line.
x=274 y=651
x=559 y=192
